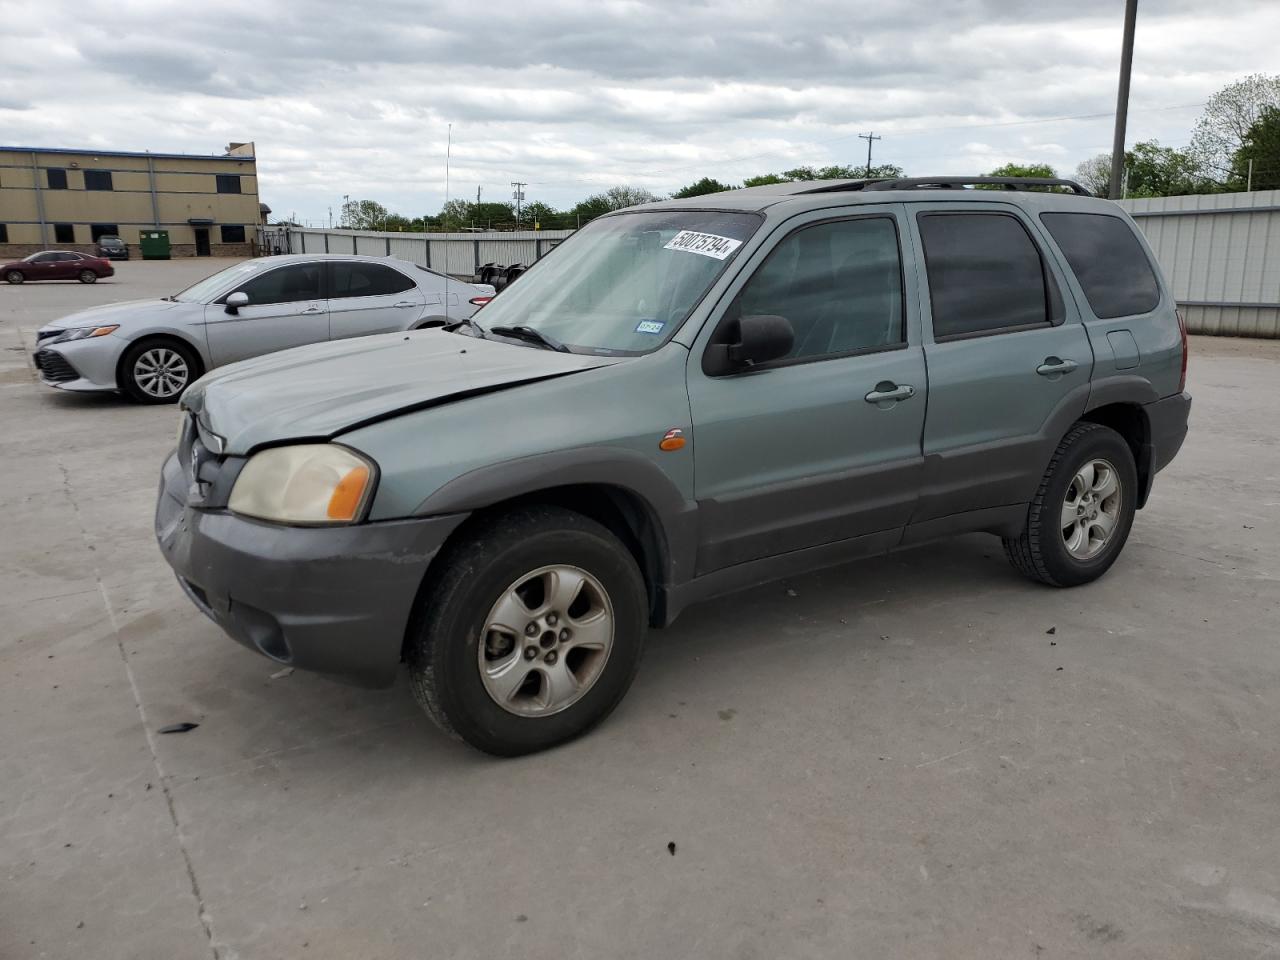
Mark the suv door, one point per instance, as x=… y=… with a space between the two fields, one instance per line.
x=822 y=445
x=43 y=266
x=369 y=298
x=285 y=309
x=1009 y=360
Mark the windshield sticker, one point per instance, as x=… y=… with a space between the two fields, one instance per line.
x=706 y=244
x=650 y=326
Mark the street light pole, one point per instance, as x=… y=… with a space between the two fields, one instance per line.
x=1122 y=100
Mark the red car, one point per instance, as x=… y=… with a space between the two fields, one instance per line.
x=57 y=265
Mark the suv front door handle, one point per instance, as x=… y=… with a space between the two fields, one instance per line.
x=404 y=303
x=1055 y=367
x=887 y=393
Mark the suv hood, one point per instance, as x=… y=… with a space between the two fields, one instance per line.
x=125 y=313
x=319 y=391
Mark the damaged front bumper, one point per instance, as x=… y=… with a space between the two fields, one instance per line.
x=336 y=600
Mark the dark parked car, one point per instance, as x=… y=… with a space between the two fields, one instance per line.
x=57 y=265
x=112 y=248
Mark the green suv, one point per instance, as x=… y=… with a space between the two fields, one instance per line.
x=684 y=399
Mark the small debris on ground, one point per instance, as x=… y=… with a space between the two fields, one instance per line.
x=522 y=919
x=1051 y=631
x=1053 y=643
x=728 y=714
x=281 y=674
x=1058 y=669
x=791 y=593
x=178 y=727
x=671 y=847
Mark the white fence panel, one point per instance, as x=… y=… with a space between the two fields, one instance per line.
x=413 y=250
x=371 y=246
x=312 y=243
x=1221 y=255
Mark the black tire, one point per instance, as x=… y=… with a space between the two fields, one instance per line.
x=128 y=382
x=442 y=647
x=1041 y=553
x=88 y=276
x=15 y=276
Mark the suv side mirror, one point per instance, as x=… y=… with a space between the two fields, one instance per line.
x=759 y=339
x=236 y=301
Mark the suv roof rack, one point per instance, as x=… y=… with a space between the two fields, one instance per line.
x=953 y=183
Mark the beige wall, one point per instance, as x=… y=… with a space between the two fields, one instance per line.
x=186 y=189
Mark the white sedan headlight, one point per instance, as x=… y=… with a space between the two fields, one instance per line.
x=309 y=483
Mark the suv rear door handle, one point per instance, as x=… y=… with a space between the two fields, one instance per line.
x=1055 y=367
x=404 y=303
x=887 y=393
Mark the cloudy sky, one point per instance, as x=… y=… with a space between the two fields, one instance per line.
x=574 y=97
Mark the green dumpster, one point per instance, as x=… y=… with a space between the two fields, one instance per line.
x=154 y=244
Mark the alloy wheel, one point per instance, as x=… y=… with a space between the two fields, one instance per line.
x=545 y=642
x=161 y=373
x=1091 y=509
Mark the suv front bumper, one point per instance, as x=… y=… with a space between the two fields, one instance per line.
x=335 y=600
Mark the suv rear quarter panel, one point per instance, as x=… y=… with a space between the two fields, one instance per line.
x=1138 y=358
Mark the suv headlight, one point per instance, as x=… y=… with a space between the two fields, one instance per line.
x=309 y=483
x=84 y=333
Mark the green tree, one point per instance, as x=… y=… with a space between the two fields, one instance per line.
x=363 y=215
x=1261 y=145
x=615 y=198
x=763 y=180
x=1020 y=170
x=1094 y=174
x=1155 y=171
x=1228 y=117
x=701 y=188
x=542 y=214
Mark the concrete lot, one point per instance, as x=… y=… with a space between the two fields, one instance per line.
x=896 y=758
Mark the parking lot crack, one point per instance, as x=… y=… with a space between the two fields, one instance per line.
x=206 y=922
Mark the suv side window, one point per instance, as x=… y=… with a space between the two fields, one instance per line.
x=1107 y=259
x=840 y=285
x=985 y=275
x=285 y=285
x=353 y=278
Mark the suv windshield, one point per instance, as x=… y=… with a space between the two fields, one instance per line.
x=623 y=284
x=202 y=290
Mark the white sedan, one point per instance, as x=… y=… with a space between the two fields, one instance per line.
x=152 y=349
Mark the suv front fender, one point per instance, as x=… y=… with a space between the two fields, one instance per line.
x=670 y=513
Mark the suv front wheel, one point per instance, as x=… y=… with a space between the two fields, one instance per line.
x=532 y=633
x=1082 y=512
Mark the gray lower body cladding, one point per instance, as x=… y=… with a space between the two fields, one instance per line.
x=335 y=600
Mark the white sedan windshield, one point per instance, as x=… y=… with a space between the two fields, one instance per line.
x=204 y=290
x=623 y=284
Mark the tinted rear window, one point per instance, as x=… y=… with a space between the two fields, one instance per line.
x=985 y=274
x=1107 y=259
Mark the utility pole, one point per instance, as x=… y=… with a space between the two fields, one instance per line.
x=346 y=210
x=478 y=189
x=1122 y=99
x=518 y=196
x=331 y=218
x=869 y=137
x=448 y=154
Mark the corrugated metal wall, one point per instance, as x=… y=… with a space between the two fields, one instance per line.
x=461 y=254
x=1220 y=252
x=1221 y=255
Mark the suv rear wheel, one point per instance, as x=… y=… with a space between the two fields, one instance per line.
x=531 y=634
x=1082 y=512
